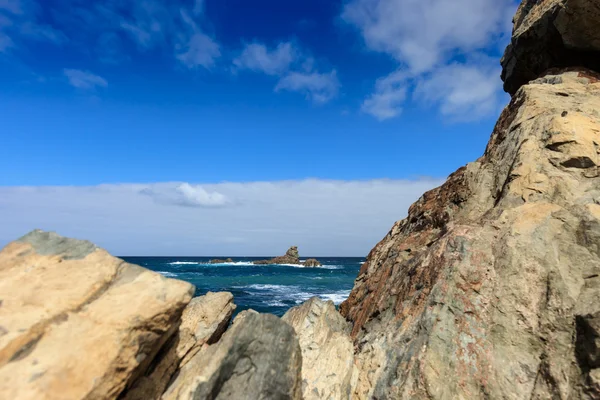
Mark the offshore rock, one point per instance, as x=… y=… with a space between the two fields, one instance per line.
x=203 y=322
x=311 y=262
x=76 y=322
x=291 y=257
x=219 y=261
x=327 y=350
x=551 y=34
x=489 y=288
x=257 y=358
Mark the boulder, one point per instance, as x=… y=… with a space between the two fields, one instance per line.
x=489 y=288
x=78 y=323
x=292 y=253
x=203 y=322
x=327 y=350
x=219 y=261
x=311 y=262
x=243 y=314
x=551 y=34
x=258 y=358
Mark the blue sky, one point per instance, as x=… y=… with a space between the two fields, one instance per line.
x=209 y=92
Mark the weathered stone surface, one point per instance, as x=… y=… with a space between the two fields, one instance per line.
x=203 y=322
x=258 y=358
x=327 y=350
x=311 y=262
x=489 y=288
x=243 y=314
x=76 y=322
x=551 y=34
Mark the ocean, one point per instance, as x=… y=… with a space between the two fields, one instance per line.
x=265 y=288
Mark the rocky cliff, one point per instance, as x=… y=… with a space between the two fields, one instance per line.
x=489 y=288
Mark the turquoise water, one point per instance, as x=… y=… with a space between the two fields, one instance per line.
x=264 y=288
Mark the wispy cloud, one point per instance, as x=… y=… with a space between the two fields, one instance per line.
x=387 y=100
x=84 y=80
x=264 y=218
x=296 y=70
x=424 y=37
x=195 y=48
x=257 y=57
x=318 y=87
x=188 y=196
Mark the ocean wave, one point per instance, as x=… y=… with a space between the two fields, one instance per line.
x=167 y=274
x=244 y=263
x=184 y=263
x=291 y=293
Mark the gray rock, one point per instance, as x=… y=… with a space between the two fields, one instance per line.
x=551 y=34
x=258 y=358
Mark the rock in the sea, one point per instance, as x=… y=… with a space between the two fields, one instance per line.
x=311 y=262
x=203 y=322
x=219 y=261
x=551 y=34
x=291 y=257
x=257 y=358
x=489 y=288
x=77 y=323
x=327 y=350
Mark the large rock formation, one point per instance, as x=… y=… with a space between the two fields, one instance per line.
x=203 y=322
x=327 y=350
x=78 y=323
x=489 y=288
x=550 y=34
x=258 y=358
x=291 y=257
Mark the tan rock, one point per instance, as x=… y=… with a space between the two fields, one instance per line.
x=257 y=358
x=76 y=322
x=243 y=314
x=327 y=350
x=203 y=322
x=489 y=288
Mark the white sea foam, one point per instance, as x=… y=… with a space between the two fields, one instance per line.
x=244 y=263
x=279 y=293
x=184 y=263
x=336 y=297
x=167 y=274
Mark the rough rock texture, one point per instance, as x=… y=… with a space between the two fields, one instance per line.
x=243 y=314
x=258 y=358
x=327 y=350
x=311 y=262
x=203 y=322
x=489 y=288
x=64 y=330
x=551 y=34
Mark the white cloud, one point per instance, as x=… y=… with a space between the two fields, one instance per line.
x=188 y=195
x=84 y=80
x=322 y=217
x=318 y=87
x=201 y=50
x=390 y=93
x=257 y=57
x=424 y=36
x=464 y=92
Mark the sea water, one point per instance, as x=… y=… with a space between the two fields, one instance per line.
x=264 y=288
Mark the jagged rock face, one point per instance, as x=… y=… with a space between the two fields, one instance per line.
x=257 y=358
x=327 y=350
x=65 y=332
x=203 y=322
x=291 y=257
x=551 y=34
x=490 y=287
x=292 y=252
